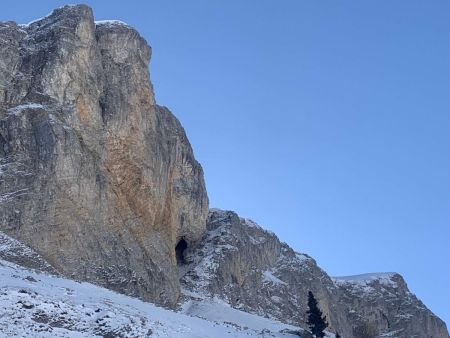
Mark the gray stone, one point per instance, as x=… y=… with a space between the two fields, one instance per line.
x=94 y=176
x=248 y=267
x=13 y=251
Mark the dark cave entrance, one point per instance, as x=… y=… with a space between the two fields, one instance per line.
x=179 y=251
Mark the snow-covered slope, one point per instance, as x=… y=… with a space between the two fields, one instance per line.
x=41 y=305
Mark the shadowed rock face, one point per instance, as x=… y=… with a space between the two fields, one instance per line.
x=252 y=270
x=12 y=250
x=94 y=176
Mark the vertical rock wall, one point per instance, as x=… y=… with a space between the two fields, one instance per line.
x=94 y=176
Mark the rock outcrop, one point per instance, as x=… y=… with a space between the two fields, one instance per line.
x=99 y=183
x=249 y=268
x=94 y=176
x=13 y=251
x=383 y=303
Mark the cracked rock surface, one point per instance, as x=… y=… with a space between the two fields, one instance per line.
x=248 y=267
x=94 y=175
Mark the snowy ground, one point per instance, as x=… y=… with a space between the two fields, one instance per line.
x=40 y=305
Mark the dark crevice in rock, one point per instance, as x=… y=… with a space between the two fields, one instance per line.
x=180 y=250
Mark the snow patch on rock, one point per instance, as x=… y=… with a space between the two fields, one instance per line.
x=17 y=110
x=111 y=23
x=384 y=278
x=268 y=277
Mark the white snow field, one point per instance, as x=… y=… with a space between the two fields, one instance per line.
x=41 y=305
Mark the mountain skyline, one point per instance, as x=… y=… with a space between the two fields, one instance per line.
x=327 y=124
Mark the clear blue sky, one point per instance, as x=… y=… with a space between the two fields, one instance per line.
x=325 y=121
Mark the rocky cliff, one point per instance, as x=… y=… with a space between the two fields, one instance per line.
x=249 y=268
x=101 y=183
x=95 y=176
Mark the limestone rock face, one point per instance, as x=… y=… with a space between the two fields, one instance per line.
x=252 y=270
x=11 y=250
x=94 y=176
x=383 y=302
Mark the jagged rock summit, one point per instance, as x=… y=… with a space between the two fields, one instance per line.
x=248 y=267
x=99 y=183
x=94 y=176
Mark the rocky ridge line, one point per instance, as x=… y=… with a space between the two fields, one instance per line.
x=247 y=266
x=102 y=183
